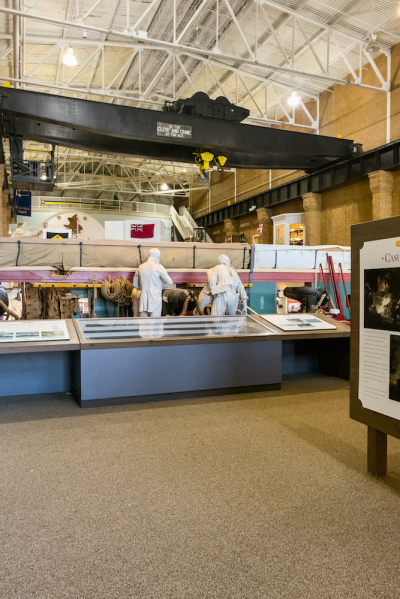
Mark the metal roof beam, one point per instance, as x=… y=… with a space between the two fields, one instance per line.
x=171 y=46
x=84 y=64
x=311 y=47
x=276 y=38
x=313 y=21
x=92 y=91
x=95 y=65
x=89 y=12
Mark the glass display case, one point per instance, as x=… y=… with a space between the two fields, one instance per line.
x=127 y=360
x=194 y=327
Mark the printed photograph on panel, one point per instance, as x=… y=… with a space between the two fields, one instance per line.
x=394 y=379
x=382 y=299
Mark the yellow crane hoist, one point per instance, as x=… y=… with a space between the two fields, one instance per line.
x=203 y=160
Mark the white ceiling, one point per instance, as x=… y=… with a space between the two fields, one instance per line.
x=254 y=52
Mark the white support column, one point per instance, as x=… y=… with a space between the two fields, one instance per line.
x=16 y=48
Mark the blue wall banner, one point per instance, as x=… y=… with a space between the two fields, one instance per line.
x=22 y=203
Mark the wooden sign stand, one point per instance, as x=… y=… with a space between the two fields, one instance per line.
x=379 y=425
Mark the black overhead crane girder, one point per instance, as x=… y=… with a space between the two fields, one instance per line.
x=104 y=127
x=332 y=176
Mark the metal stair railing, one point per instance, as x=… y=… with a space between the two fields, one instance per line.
x=190 y=223
x=179 y=224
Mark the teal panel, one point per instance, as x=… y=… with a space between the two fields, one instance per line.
x=104 y=308
x=263 y=298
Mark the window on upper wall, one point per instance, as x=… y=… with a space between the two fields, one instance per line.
x=296 y=234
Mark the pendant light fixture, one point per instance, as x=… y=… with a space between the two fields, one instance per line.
x=69 y=59
x=293 y=99
x=373 y=45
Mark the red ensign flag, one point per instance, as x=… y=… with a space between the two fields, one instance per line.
x=142 y=231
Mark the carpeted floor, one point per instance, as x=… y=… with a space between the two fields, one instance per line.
x=257 y=496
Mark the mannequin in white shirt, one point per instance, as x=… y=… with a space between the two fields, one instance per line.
x=149 y=279
x=225 y=288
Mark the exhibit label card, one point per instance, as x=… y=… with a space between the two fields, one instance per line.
x=298 y=322
x=17 y=331
x=379 y=368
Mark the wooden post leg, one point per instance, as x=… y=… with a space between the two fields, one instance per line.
x=377 y=452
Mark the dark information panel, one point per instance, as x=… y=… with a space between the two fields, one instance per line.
x=379 y=425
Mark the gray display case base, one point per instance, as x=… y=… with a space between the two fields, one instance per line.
x=117 y=401
x=135 y=374
x=31 y=373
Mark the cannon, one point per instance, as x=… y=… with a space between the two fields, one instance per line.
x=310 y=297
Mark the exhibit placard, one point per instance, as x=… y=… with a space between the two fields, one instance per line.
x=379 y=366
x=298 y=322
x=17 y=331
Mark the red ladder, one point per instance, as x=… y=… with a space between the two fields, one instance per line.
x=335 y=285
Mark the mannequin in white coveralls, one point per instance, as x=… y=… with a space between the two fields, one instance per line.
x=149 y=279
x=225 y=287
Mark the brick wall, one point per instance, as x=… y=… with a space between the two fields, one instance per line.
x=354 y=113
x=343 y=207
x=249 y=182
x=357 y=113
x=248 y=223
x=395 y=94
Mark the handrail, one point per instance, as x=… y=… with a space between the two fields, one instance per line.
x=44 y=202
x=185 y=215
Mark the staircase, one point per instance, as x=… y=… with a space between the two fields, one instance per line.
x=185 y=224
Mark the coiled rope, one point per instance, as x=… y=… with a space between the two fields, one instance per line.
x=9 y=311
x=185 y=305
x=117 y=290
x=318 y=305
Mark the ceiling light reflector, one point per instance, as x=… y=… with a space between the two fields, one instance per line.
x=69 y=59
x=373 y=45
x=293 y=99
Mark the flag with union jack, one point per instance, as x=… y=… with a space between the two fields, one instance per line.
x=142 y=231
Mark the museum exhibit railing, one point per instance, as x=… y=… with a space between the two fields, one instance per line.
x=44 y=203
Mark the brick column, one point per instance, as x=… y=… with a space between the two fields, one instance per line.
x=312 y=204
x=264 y=219
x=231 y=227
x=381 y=185
x=5 y=214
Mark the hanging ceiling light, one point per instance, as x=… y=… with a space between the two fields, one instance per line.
x=197 y=42
x=164 y=187
x=69 y=59
x=293 y=99
x=373 y=45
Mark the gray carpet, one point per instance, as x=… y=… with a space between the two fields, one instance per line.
x=251 y=496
